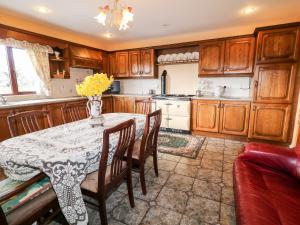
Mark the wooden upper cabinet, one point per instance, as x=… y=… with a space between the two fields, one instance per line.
x=274 y=83
x=112 y=63
x=147 y=62
x=280 y=45
x=122 y=64
x=269 y=121
x=239 y=55
x=82 y=57
x=135 y=63
x=234 y=117
x=205 y=115
x=211 y=61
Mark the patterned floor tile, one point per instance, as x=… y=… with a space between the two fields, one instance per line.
x=209 y=175
x=179 y=182
x=186 y=170
x=213 y=156
x=227 y=215
x=203 y=209
x=227 y=167
x=227 y=196
x=152 y=191
x=161 y=216
x=161 y=179
x=207 y=190
x=186 y=220
x=166 y=165
x=192 y=162
x=172 y=199
x=227 y=179
x=214 y=148
x=212 y=164
x=169 y=157
x=128 y=215
x=232 y=150
x=114 y=199
x=229 y=158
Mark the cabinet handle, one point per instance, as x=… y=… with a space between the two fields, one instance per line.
x=254 y=108
x=256 y=83
x=219 y=105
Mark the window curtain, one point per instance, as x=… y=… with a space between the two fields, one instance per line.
x=40 y=61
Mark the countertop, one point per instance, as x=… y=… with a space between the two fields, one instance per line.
x=24 y=103
x=222 y=98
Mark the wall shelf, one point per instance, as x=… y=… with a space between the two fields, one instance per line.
x=178 y=62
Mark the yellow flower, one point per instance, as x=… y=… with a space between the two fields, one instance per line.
x=94 y=84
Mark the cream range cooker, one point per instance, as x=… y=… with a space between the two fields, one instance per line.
x=176 y=112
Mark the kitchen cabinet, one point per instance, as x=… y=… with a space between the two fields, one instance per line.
x=135 y=63
x=112 y=64
x=205 y=115
x=211 y=61
x=278 y=45
x=122 y=64
x=147 y=63
x=226 y=57
x=239 y=55
x=274 y=83
x=56 y=113
x=4 y=134
x=123 y=104
x=234 y=117
x=269 y=121
x=107 y=105
x=119 y=104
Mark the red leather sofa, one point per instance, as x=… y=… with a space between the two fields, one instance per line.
x=267 y=185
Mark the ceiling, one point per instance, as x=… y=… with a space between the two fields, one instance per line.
x=178 y=16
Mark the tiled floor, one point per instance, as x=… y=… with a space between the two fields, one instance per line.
x=187 y=191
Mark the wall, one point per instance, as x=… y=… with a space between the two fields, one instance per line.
x=183 y=79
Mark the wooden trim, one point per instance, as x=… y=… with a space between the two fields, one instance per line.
x=12 y=72
x=278 y=26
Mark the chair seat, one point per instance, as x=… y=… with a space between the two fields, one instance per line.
x=33 y=209
x=91 y=181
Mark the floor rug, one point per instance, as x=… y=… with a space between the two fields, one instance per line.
x=180 y=144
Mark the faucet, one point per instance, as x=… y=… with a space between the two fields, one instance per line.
x=3 y=100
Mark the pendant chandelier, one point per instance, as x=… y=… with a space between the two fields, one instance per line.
x=115 y=15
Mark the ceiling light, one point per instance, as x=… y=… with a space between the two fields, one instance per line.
x=108 y=35
x=42 y=9
x=248 y=10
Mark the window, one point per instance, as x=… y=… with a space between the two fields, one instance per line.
x=17 y=74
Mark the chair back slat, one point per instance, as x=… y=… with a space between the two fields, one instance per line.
x=126 y=137
x=28 y=122
x=143 y=106
x=72 y=112
x=150 y=135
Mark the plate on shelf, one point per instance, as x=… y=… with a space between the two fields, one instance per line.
x=167 y=58
x=180 y=57
x=188 y=56
x=160 y=58
x=173 y=57
x=195 y=55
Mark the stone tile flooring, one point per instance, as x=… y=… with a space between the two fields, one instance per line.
x=187 y=191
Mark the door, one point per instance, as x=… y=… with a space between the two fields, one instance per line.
x=112 y=64
x=205 y=115
x=211 y=58
x=239 y=55
x=119 y=104
x=135 y=63
x=280 y=45
x=122 y=64
x=147 y=62
x=107 y=105
x=269 y=121
x=234 y=117
x=274 y=83
x=129 y=104
x=56 y=113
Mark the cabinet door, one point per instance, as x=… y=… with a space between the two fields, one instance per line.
x=119 y=104
x=129 y=105
x=234 y=117
x=274 y=83
x=112 y=64
x=107 y=105
x=147 y=62
x=205 y=115
x=239 y=55
x=135 y=63
x=56 y=113
x=269 y=121
x=280 y=45
x=211 y=58
x=4 y=134
x=122 y=64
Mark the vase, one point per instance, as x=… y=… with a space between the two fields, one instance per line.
x=94 y=106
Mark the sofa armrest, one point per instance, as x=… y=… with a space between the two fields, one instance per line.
x=278 y=158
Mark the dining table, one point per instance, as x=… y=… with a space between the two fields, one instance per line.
x=66 y=154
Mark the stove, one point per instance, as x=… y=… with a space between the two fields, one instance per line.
x=176 y=112
x=173 y=97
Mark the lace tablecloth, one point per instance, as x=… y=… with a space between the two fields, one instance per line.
x=66 y=153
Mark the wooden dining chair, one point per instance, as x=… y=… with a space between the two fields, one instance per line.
x=72 y=112
x=102 y=182
x=147 y=146
x=143 y=106
x=42 y=208
x=28 y=122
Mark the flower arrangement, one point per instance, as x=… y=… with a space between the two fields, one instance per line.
x=94 y=85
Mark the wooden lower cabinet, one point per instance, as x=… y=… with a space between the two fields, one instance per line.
x=205 y=116
x=56 y=113
x=269 y=121
x=107 y=105
x=234 y=117
x=119 y=104
x=4 y=130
